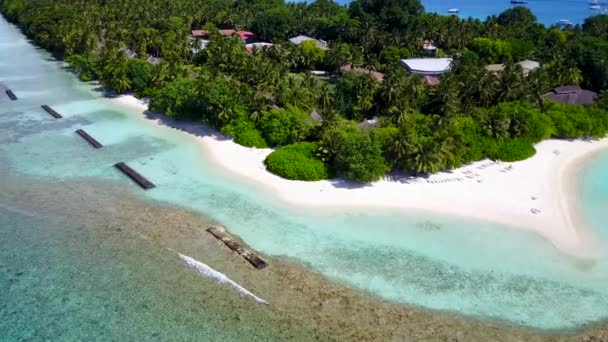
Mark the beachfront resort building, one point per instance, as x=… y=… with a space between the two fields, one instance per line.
x=300 y=39
x=572 y=95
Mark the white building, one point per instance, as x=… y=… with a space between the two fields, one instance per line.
x=299 y=39
x=427 y=66
x=255 y=46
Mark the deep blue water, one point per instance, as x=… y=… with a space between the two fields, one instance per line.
x=548 y=11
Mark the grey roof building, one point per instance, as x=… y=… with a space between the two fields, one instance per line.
x=572 y=95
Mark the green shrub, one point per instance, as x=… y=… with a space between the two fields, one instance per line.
x=286 y=126
x=177 y=99
x=140 y=74
x=297 y=162
x=477 y=148
x=385 y=137
x=86 y=66
x=513 y=150
x=358 y=157
x=244 y=133
x=250 y=137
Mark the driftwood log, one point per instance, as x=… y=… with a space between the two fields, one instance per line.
x=221 y=234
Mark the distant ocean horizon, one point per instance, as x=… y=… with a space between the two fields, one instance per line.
x=548 y=12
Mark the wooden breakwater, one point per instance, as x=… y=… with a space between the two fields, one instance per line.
x=221 y=234
x=51 y=111
x=11 y=95
x=89 y=138
x=135 y=176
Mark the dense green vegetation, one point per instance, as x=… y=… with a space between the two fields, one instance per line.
x=298 y=161
x=265 y=98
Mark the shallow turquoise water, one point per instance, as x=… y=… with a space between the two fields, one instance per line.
x=594 y=194
x=470 y=267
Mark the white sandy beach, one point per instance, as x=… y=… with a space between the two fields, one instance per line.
x=538 y=194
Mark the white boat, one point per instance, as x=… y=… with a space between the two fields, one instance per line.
x=453 y=10
x=595 y=7
x=564 y=22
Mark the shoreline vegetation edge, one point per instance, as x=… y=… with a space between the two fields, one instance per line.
x=537 y=195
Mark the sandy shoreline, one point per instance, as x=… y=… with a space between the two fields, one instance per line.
x=538 y=194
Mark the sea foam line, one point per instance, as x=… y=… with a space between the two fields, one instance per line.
x=208 y=272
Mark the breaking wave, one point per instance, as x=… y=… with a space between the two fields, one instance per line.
x=208 y=272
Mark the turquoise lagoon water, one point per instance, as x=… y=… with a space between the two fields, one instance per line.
x=594 y=189
x=469 y=267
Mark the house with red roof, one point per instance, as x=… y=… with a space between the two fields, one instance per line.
x=249 y=39
x=246 y=36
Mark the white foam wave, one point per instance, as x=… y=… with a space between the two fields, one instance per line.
x=208 y=272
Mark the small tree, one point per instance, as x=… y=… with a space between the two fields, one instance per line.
x=354 y=154
x=310 y=55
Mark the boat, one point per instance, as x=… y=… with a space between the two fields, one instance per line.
x=564 y=22
x=519 y=2
x=453 y=10
x=595 y=7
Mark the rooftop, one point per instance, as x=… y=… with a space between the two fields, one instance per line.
x=427 y=66
x=244 y=35
x=429 y=45
x=368 y=124
x=378 y=76
x=431 y=80
x=199 y=33
x=254 y=46
x=529 y=65
x=526 y=66
x=572 y=95
x=495 y=67
x=297 y=40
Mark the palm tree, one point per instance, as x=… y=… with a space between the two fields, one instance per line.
x=570 y=75
x=401 y=147
x=446 y=97
x=427 y=157
x=511 y=85
x=414 y=90
x=325 y=101
x=121 y=83
x=400 y=117
x=391 y=89
x=538 y=85
x=497 y=125
x=160 y=74
x=602 y=101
